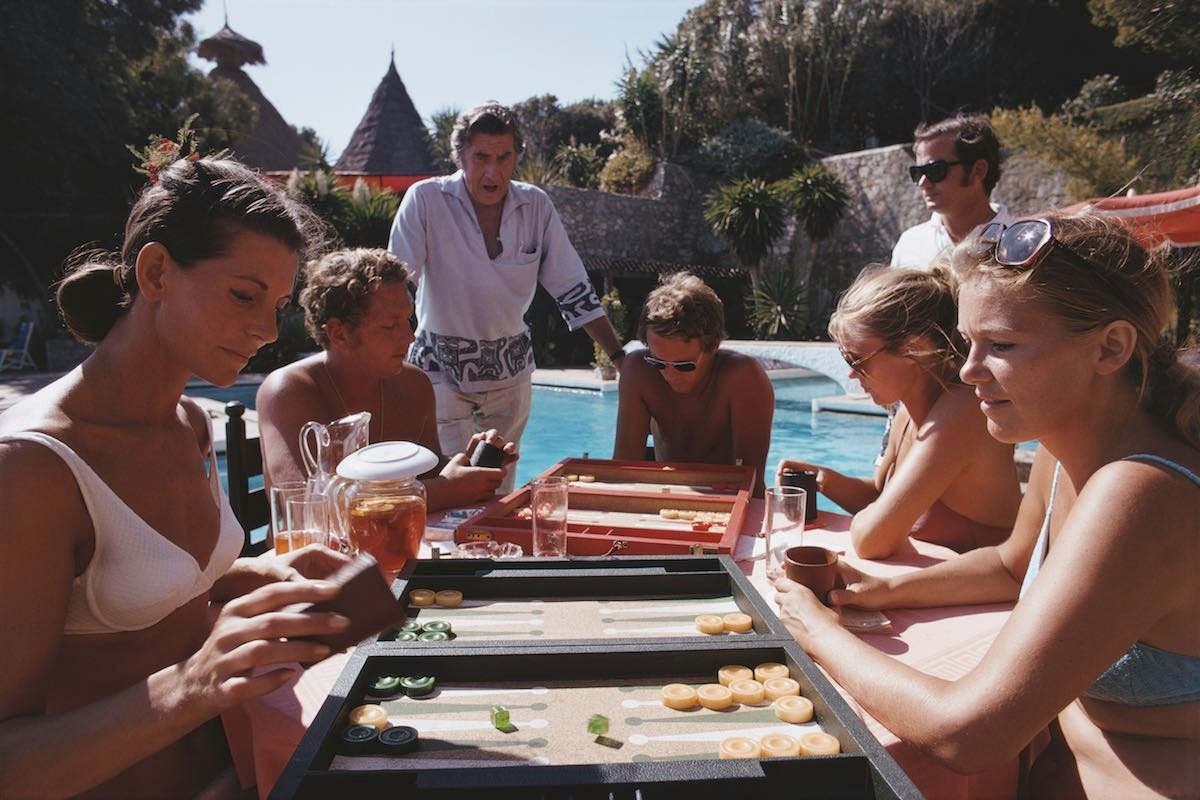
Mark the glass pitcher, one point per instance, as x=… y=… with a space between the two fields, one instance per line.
x=380 y=504
x=330 y=444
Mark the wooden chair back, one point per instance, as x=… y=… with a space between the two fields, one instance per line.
x=243 y=461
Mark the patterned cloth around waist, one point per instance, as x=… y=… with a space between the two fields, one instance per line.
x=473 y=364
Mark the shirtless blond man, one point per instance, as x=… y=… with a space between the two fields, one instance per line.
x=702 y=404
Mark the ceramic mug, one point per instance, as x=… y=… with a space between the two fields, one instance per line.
x=812 y=566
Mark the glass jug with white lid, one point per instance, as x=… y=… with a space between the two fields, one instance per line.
x=380 y=503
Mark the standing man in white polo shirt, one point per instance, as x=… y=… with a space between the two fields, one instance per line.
x=958 y=165
x=477 y=245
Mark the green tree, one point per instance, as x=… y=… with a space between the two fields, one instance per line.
x=1171 y=27
x=81 y=79
x=442 y=124
x=640 y=105
x=1098 y=166
x=748 y=148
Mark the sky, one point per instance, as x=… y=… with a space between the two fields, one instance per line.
x=325 y=57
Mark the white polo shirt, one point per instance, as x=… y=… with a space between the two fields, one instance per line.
x=921 y=244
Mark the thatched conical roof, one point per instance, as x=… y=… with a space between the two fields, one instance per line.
x=390 y=139
x=227 y=47
x=273 y=144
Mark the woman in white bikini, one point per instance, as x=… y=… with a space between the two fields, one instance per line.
x=115 y=532
x=1067 y=319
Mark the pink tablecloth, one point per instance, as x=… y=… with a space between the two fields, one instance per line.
x=946 y=642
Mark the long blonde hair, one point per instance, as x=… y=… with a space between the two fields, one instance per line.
x=1113 y=277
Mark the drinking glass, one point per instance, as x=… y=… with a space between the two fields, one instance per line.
x=280 y=493
x=307 y=520
x=783 y=523
x=549 y=501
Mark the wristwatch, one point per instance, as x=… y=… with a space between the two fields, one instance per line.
x=616 y=355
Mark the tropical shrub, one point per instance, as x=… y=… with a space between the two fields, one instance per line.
x=579 y=165
x=777 y=308
x=366 y=216
x=817 y=197
x=750 y=214
x=616 y=315
x=1101 y=90
x=534 y=169
x=320 y=190
x=628 y=170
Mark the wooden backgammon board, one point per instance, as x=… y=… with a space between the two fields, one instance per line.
x=630 y=507
x=577 y=710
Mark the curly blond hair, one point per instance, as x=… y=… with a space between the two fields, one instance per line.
x=338 y=286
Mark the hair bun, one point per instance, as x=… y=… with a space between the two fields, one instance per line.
x=91 y=299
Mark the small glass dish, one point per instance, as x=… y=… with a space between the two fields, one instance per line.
x=488 y=549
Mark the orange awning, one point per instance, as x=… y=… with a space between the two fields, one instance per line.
x=1163 y=216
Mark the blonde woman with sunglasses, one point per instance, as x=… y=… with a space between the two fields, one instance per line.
x=941 y=477
x=702 y=404
x=1068 y=321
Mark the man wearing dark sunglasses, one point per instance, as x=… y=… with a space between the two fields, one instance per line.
x=957 y=166
x=703 y=405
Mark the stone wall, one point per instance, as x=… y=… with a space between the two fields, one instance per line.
x=667 y=222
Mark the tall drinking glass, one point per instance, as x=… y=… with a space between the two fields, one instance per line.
x=308 y=520
x=280 y=493
x=783 y=524
x=548 y=497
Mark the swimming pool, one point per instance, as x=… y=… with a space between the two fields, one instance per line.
x=569 y=422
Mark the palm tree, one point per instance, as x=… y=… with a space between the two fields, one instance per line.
x=750 y=214
x=818 y=197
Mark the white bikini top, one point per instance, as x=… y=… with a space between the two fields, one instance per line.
x=136 y=577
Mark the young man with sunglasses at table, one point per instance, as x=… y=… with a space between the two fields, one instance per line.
x=958 y=165
x=702 y=404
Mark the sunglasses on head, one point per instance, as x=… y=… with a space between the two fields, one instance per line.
x=1024 y=243
x=936 y=171
x=678 y=366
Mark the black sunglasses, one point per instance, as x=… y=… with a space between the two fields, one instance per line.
x=936 y=171
x=678 y=366
x=1023 y=244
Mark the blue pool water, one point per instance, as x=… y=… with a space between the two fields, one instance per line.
x=567 y=423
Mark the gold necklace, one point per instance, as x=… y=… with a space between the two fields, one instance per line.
x=342 y=400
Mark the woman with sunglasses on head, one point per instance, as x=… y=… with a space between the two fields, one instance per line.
x=941 y=477
x=1068 y=321
x=703 y=405
x=116 y=533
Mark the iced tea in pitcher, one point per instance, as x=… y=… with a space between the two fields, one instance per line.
x=389 y=528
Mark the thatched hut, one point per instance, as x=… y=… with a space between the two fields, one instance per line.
x=390 y=146
x=273 y=144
